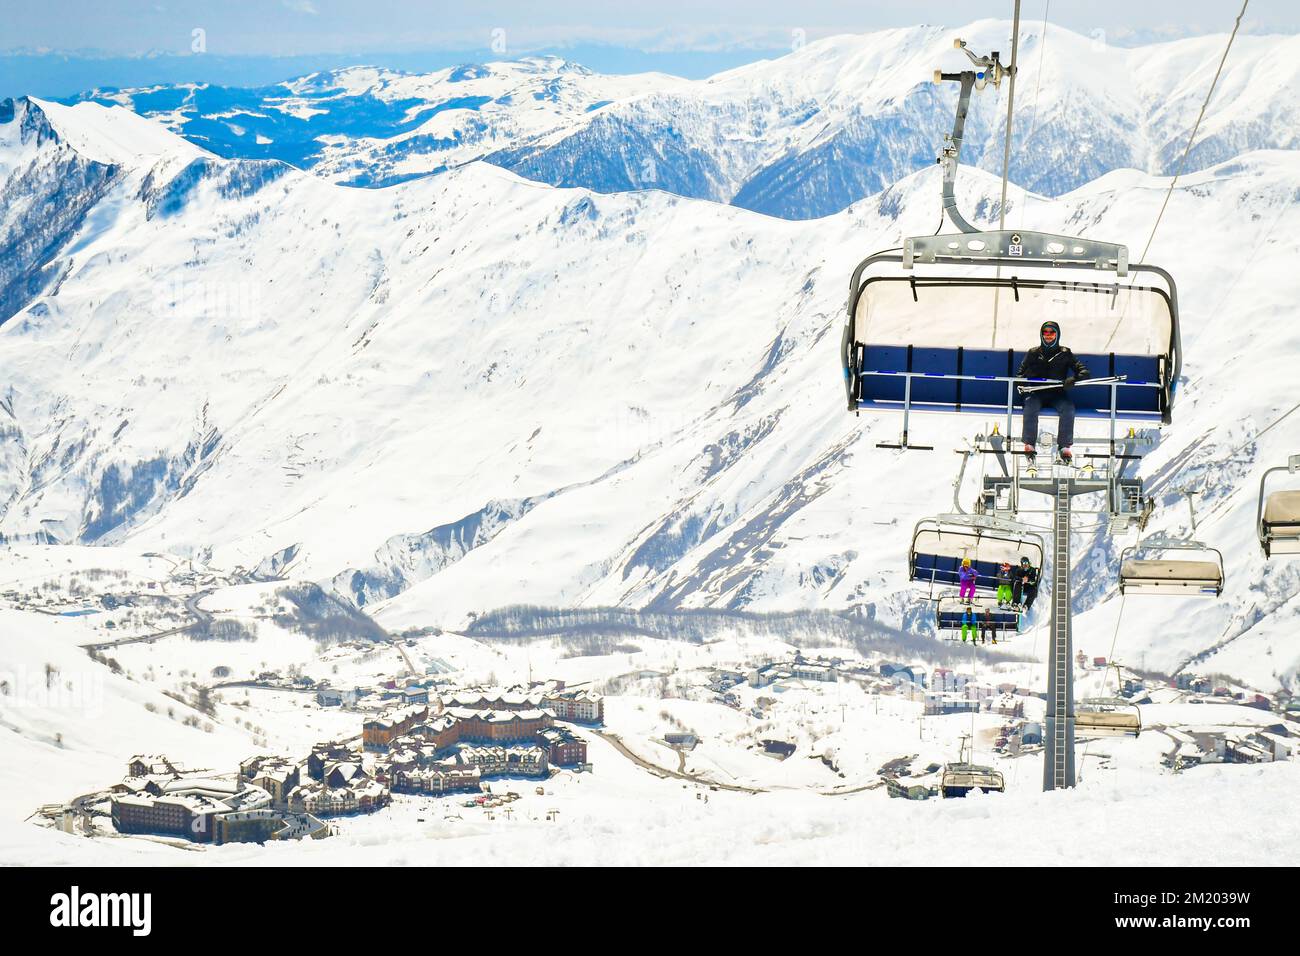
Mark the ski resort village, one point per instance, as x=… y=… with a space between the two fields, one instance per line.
x=833 y=460
x=265 y=712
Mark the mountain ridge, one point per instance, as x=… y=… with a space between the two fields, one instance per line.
x=377 y=364
x=801 y=136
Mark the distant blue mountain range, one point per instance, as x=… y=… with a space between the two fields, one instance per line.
x=255 y=132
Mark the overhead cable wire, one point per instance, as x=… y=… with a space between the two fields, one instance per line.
x=1006 y=157
x=1011 y=105
x=1191 y=140
x=1195 y=128
x=1038 y=89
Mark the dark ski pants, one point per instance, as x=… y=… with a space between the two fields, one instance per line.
x=1060 y=402
x=1025 y=594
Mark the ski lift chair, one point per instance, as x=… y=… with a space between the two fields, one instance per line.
x=1107 y=717
x=964 y=775
x=953 y=343
x=1176 y=577
x=960 y=779
x=1278 y=515
x=940 y=544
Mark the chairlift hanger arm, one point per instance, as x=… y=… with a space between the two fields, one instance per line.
x=988 y=69
x=1292 y=467
x=950 y=158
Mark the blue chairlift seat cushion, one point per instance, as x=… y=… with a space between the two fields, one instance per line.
x=946 y=569
x=882 y=383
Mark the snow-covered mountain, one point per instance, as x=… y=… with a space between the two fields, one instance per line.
x=798 y=137
x=374 y=127
x=473 y=390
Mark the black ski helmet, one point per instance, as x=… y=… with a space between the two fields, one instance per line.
x=1043 y=328
x=1024 y=560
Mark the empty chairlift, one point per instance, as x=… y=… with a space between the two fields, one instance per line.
x=940 y=544
x=1278 y=515
x=962 y=777
x=1107 y=717
x=1171 y=568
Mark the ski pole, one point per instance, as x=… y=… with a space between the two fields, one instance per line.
x=1108 y=380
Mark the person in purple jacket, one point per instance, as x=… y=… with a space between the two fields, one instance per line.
x=967 y=577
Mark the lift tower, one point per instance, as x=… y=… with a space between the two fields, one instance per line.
x=1124 y=507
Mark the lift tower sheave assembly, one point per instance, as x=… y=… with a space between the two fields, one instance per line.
x=943 y=324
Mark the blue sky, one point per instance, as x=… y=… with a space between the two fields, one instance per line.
x=249 y=42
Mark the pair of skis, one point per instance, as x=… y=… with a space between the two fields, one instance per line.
x=1107 y=380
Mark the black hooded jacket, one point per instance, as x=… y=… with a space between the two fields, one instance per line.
x=1058 y=363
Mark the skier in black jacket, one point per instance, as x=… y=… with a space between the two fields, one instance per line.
x=1025 y=586
x=1051 y=360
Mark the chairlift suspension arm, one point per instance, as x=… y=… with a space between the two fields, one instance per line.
x=1191 y=507
x=987 y=69
x=950 y=159
x=956 y=485
x=1011 y=105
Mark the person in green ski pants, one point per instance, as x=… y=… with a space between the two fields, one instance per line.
x=1004 y=584
x=969 y=623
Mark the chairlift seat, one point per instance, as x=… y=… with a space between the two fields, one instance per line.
x=1281 y=525
x=979 y=380
x=959 y=342
x=1166 y=577
x=1283 y=509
